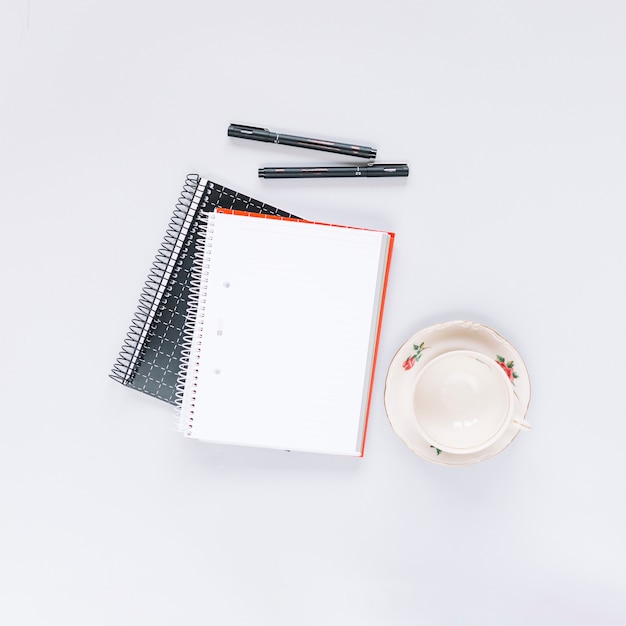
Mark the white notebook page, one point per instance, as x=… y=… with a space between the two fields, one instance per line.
x=287 y=336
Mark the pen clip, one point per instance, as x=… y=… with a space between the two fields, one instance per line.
x=245 y=127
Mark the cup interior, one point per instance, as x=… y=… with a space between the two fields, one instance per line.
x=463 y=401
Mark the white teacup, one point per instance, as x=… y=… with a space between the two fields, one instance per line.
x=464 y=401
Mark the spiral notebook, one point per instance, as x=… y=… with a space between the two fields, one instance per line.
x=283 y=333
x=151 y=354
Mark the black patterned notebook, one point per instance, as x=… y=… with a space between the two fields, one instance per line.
x=150 y=357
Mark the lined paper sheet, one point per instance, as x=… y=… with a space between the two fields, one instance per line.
x=288 y=334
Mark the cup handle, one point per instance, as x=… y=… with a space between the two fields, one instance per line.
x=522 y=424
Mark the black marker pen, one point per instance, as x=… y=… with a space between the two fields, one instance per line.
x=263 y=134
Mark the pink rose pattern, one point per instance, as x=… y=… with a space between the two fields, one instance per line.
x=507 y=366
x=415 y=357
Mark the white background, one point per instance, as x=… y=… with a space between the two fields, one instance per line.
x=511 y=116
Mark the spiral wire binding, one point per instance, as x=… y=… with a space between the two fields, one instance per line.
x=194 y=324
x=155 y=286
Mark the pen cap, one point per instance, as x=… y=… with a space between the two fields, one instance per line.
x=250 y=132
x=388 y=169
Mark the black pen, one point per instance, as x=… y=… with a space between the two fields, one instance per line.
x=371 y=170
x=262 y=134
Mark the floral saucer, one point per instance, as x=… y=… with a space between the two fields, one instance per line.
x=422 y=348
